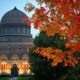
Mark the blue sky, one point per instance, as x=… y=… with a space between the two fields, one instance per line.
x=6 y=5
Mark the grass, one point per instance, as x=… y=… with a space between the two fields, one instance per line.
x=22 y=78
x=4 y=78
x=19 y=78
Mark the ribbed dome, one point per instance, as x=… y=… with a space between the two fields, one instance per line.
x=13 y=16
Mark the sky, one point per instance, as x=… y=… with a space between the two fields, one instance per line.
x=6 y=5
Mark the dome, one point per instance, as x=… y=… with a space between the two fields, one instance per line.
x=13 y=16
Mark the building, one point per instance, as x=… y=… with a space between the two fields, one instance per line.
x=15 y=41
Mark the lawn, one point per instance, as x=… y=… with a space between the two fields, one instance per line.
x=4 y=78
x=19 y=78
x=22 y=78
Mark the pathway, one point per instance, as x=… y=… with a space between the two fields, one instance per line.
x=14 y=78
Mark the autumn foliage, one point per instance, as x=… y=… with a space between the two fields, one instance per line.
x=63 y=17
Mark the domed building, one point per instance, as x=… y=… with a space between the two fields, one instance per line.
x=15 y=42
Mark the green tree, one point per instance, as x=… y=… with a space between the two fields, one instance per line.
x=41 y=67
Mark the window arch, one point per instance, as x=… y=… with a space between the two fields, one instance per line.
x=25 y=57
x=14 y=57
x=3 y=57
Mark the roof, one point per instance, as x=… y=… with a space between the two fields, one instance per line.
x=13 y=16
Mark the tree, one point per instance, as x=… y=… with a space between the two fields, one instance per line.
x=14 y=71
x=41 y=67
x=62 y=17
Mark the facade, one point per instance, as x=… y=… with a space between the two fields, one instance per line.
x=15 y=42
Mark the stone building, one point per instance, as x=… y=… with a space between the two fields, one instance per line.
x=15 y=41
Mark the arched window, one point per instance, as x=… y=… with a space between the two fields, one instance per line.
x=25 y=57
x=14 y=57
x=3 y=57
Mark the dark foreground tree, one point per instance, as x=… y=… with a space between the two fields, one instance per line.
x=14 y=71
x=42 y=68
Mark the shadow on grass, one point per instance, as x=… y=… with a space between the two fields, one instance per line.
x=4 y=78
x=19 y=78
x=22 y=78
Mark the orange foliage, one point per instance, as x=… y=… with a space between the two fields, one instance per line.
x=58 y=56
x=63 y=17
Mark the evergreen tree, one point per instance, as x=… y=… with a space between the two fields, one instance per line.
x=41 y=67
